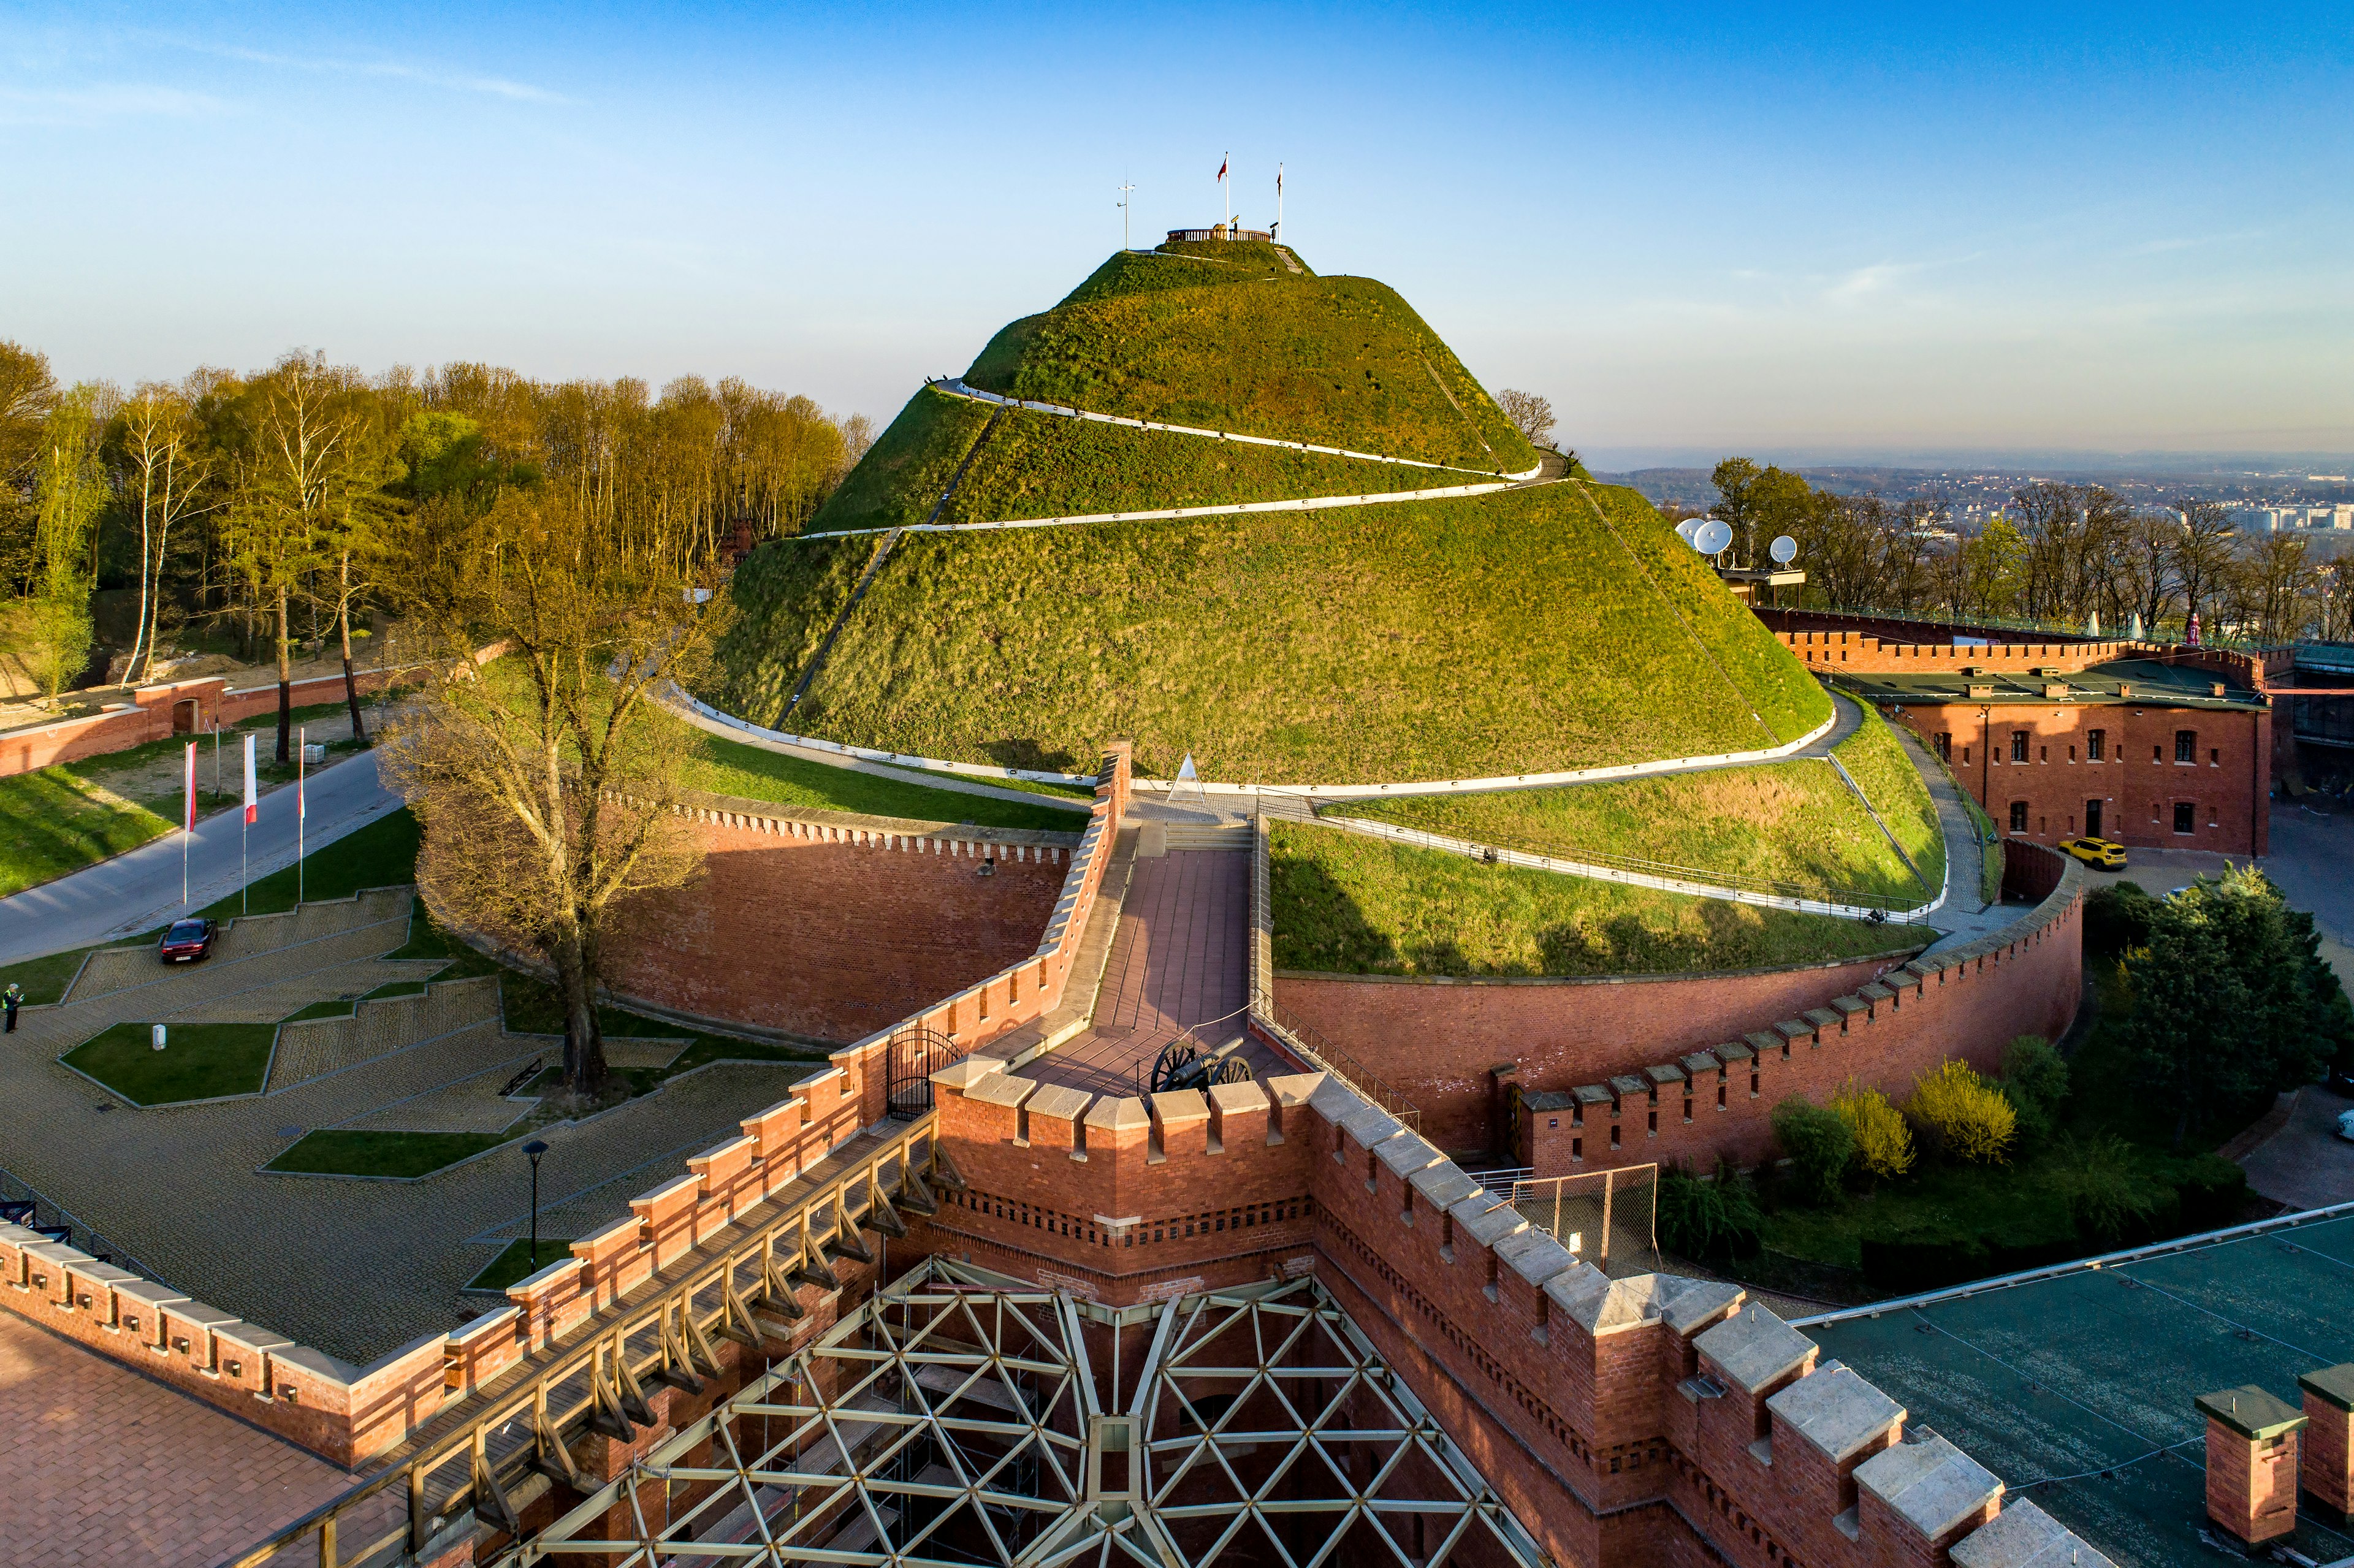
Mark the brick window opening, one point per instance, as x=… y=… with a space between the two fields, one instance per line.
x=1654 y=1128
x=2019 y=816
x=2212 y=820
x=1966 y=754
x=2185 y=816
x=2186 y=745
x=2042 y=754
x=1720 y=1096
x=2095 y=745
x=2018 y=746
x=1688 y=1108
x=2214 y=756
x=2042 y=824
x=1614 y=1137
x=1944 y=745
x=1578 y=1148
x=1553 y=1122
x=2072 y=754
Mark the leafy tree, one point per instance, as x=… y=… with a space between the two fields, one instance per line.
x=2035 y=1081
x=26 y=393
x=50 y=633
x=2117 y=919
x=1884 y=1143
x=1963 y=1114
x=2231 y=1002
x=1818 y=1145
x=1717 y=1218
x=166 y=465
x=547 y=798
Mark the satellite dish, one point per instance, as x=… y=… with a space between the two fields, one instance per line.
x=1713 y=537
x=1687 y=528
x=1784 y=550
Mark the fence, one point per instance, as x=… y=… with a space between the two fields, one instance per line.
x=1321 y=1055
x=1608 y=1218
x=469 y=1460
x=34 y=1211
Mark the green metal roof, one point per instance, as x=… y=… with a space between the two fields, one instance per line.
x=2150 y=684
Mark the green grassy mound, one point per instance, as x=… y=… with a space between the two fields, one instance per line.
x=1785 y=821
x=1509 y=633
x=1256 y=256
x=199 y=1061
x=1043 y=465
x=1337 y=361
x=1349 y=905
x=1876 y=760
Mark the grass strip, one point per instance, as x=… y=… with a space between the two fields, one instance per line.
x=1349 y=904
x=45 y=978
x=1881 y=768
x=381 y=855
x=199 y=1061
x=338 y=1152
x=56 y=819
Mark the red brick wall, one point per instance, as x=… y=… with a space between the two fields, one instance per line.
x=2229 y=787
x=149 y=717
x=1438 y=1040
x=830 y=940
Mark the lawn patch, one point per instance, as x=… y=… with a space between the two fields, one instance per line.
x=1789 y=822
x=334 y=1153
x=381 y=855
x=201 y=1062
x=514 y=1262
x=45 y=978
x=1515 y=632
x=1352 y=905
x=53 y=821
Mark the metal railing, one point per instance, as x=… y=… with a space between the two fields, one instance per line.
x=47 y=1214
x=467 y=1458
x=1495 y=849
x=1600 y=1215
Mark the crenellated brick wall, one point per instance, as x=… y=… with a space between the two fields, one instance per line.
x=159 y=712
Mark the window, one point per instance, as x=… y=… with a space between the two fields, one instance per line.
x=2018 y=746
x=2072 y=754
x=2043 y=754
x=2019 y=816
x=2185 y=816
x=1966 y=754
x=2097 y=742
x=1944 y=745
x=2214 y=756
x=2156 y=754
x=2186 y=745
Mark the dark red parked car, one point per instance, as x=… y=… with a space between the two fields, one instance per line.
x=187 y=941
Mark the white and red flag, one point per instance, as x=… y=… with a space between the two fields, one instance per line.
x=188 y=793
x=252 y=794
x=302 y=755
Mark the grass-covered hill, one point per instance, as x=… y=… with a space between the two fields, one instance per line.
x=1041 y=465
x=1217 y=336
x=1340 y=362
x=1533 y=630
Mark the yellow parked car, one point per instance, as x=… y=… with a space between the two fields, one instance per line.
x=2104 y=852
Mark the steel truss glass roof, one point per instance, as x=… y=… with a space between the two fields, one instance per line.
x=964 y=1417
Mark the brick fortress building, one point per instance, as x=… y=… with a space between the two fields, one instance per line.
x=2156 y=747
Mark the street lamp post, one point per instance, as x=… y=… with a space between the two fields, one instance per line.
x=535 y=1148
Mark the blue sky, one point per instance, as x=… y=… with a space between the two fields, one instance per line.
x=1785 y=230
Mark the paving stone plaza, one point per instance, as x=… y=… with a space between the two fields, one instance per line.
x=353 y=1268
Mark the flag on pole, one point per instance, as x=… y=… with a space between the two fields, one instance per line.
x=252 y=795
x=188 y=793
x=1222 y=168
x=1278 y=179
x=302 y=756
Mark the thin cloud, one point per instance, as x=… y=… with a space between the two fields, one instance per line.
x=396 y=70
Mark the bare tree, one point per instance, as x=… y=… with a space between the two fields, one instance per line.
x=1528 y=413
x=544 y=779
x=2201 y=552
x=166 y=466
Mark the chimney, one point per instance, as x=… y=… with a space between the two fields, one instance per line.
x=2252 y=1471
x=2327 y=1467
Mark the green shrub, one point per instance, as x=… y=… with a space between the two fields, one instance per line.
x=2211 y=1190
x=1818 y=1145
x=2108 y=1198
x=1964 y=1115
x=2117 y=916
x=2035 y=1081
x=1716 y=1218
x=1884 y=1143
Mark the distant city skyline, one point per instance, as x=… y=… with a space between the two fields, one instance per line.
x=2013 y=233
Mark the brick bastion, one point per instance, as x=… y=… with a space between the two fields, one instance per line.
x=827 y=925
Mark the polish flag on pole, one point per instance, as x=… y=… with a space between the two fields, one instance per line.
x=252 y=795
x=188 y=793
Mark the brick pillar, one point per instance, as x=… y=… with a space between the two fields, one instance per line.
x=2252 y=1472
x=2327 y=1469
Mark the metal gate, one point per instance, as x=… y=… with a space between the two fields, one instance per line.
x=917 y=1053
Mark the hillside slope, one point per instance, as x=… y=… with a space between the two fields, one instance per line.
x=1336 y=361
x=1555 y=626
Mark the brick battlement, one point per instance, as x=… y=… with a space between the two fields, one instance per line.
x=1716 y=1102
x=1635 y=1414
x=1861 y=653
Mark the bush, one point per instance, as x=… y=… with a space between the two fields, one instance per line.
x=2106 y=1197
x=2212 y=1191
x=2116 y=917
x=1964 y=1115
x=2035 y=1081
x=1709 y=1219
x=1883 y=1144
x=1819 y=1147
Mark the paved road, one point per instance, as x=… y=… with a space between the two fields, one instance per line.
x=139 y=891
x=2306 y=1164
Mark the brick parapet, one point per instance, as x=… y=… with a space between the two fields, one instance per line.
x=1861 y=653
x=150 y=715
